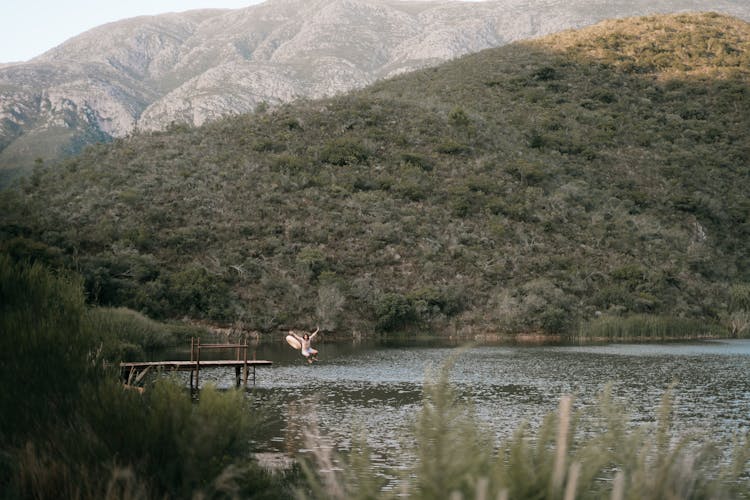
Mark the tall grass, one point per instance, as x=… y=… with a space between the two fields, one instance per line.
x=125 y=333
x=591 y=453
x=44 y=347
x=648 y=327
x=68 y=429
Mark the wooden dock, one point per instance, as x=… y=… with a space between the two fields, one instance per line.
x=133 y=373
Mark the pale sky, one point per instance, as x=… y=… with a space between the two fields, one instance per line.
x=30 y=27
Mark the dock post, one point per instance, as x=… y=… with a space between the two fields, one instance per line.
x=192 y=358
x=198 y=364
x=245 y=364
x=237 y=376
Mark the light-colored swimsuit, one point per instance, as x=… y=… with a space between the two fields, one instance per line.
x=307 y=349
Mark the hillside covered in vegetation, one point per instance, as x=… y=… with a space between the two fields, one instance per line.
x=591 y=174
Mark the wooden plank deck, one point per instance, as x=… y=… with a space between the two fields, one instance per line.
x=135 y=371
x=191 y=365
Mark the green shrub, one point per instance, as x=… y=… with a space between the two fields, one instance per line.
x=196 y=292
x=366 y=184
x=412 y=190
x=24 y=249
x=344 y=151
x=464 y=202
x=288 y=162
x=418 y=160
x=544 y=74
x=458 y=117
x=536 y=140
x=268 y=145
x=555 y=320
x=529 y=173
x=430 y=301
x=393 y=311
x=451 y=147
x=313 y=262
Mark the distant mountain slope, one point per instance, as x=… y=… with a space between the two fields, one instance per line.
x=191 y=67
x=533 y=187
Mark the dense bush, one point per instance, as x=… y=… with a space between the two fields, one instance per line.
x=200 y=294
x=45 y=349
x=344 y=151
x=601 y=171
x=418 y=160
x=68 y=429
x=393 y=311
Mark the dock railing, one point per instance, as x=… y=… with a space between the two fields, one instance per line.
x=133 y=372
x=241 y=355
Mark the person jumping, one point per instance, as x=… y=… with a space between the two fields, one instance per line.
x=306 y=341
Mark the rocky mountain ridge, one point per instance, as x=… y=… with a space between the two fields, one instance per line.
x=191 y=67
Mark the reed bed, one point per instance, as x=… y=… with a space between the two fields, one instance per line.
x=648 y=327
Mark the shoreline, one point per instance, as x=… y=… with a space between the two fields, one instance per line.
x=489 y=338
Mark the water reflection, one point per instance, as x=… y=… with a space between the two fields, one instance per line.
x=378 y=388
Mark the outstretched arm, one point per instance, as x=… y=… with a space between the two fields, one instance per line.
x=295 y=335
x=314 y=333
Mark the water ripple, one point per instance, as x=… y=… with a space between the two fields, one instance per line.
x=377 y=390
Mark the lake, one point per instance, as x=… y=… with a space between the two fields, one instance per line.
x=378 y=387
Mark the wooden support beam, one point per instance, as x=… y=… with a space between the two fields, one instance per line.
x=245 y=359
x=141 y=375
x=198 y=364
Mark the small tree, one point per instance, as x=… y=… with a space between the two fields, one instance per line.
x=330 y=306
x=393 y=311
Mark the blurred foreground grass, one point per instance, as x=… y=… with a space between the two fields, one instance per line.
x=591 y=453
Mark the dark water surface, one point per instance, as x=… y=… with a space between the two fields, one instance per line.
x=379 y=387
